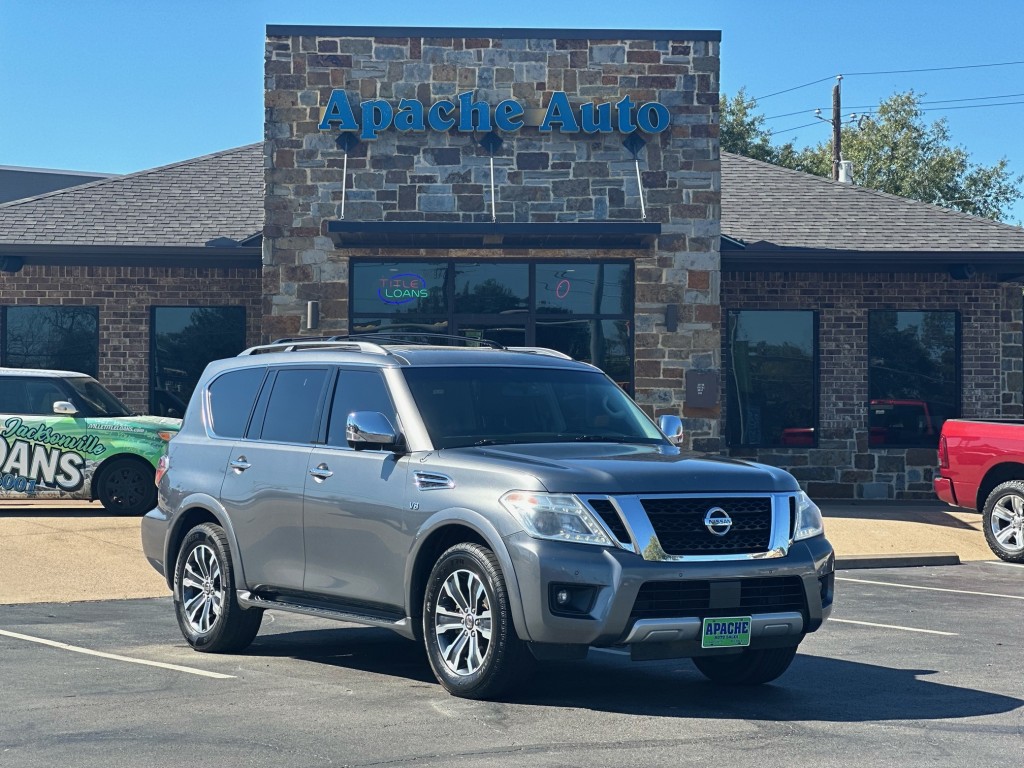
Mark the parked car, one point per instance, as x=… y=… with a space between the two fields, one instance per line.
x=900 y=422
x=499 y=505
x=981 y=467
x=65 y=436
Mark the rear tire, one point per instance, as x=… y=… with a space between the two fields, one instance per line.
x=471 y=642
x=752 y=667
x=126 y=487
x=1003 y=518
x=205 y=604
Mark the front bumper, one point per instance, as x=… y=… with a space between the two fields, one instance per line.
x=613 y=618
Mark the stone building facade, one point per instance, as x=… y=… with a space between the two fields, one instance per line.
x=440 y=181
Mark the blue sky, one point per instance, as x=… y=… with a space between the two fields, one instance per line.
x=123 y=86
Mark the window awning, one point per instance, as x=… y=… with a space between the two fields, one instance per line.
x=428 y=234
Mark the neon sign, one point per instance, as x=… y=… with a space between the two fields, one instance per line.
x=401 y=289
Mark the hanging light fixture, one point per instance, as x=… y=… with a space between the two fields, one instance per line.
x=634 y=143
x=491 y=143
x=346 y=141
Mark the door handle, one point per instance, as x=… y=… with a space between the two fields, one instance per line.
x=239 y=464
x=321 y=473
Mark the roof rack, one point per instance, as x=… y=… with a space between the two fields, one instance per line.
x=540 y=351
x=366 y=342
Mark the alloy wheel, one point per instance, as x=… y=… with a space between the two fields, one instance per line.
x=1007 y=523
x=202 y=589
x=462 y=622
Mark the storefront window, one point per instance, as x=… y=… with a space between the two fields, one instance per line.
x=184 y=341
x=57 y=337
x=771 y=386
x=584 y=309
x=913 y=376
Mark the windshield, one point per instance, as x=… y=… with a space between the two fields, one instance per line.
x=92 y=398
x=490 y=406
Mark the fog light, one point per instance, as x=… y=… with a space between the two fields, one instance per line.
x=562 y=598
x=572 y=599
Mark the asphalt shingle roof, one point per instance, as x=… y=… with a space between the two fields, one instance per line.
x=186 y=204
x=790 y=209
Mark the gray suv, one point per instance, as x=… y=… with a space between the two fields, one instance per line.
x=501 y=505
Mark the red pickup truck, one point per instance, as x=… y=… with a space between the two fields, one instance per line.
x=981 y=466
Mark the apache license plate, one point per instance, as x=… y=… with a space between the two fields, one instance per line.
x=725 y=632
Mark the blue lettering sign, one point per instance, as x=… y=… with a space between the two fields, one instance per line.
x=376 y=115
x=508 y=115
x=338 y=111
x=560 y=112
x=409 y=116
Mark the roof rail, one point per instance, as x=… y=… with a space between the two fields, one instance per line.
x=365 y=342
x=290 y=345
x=540 y=351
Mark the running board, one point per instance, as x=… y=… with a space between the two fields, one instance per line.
x=248 y=600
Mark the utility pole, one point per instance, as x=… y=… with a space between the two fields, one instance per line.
x=837 y=136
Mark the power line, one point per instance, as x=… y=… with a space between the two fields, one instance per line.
x=797 y=128
x=794 y=88
x=934 y=101
x=934 y=69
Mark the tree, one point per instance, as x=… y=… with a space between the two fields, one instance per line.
x=894 y=151
x=742 y=132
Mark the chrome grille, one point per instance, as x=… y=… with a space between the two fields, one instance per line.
x=679 y=525
x=675 y=599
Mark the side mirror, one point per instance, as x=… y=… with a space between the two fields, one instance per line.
x=370 y=429
x=64 y=408
x=672 y=426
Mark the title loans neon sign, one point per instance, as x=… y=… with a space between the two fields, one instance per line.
x=401 y=289
x=465 y=115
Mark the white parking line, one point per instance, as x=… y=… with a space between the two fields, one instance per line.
x=114 y=656
x=1002 y=562
x=931 y=589
x=893 y=626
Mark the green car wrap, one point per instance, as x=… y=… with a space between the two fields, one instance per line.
x=57 y=457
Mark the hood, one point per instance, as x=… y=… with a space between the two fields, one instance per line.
x=624 y=469
x=152 y=422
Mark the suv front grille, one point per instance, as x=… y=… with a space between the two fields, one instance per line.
x=674 y=599
x=679 y=524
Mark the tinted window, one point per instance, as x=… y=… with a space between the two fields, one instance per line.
x=62 y=338
x=584 y=289
x=491 y=288
x=184 y=341
x=33 y=397
x=291 y=411
x=231 y=398
x=357 y=391
x=771 y=385
x=464 y=406
x=913 y=376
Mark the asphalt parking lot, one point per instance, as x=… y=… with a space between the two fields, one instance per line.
x=919 y=666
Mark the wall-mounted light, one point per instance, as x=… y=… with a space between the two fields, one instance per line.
x=312 y=315
x=11 y=263
x=346 y=141
x=634 y=143
x=672 y=318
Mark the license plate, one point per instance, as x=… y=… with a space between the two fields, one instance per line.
x=725 y=632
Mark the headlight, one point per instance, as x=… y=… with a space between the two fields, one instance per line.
x=808 y=519
x=555 y=516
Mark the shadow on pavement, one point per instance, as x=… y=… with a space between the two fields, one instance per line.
x=814 y=689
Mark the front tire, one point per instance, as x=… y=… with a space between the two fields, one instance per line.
x=1003 y=518
x=470 y=640
x=208 y=612
x=126 y=487
x=755 y=666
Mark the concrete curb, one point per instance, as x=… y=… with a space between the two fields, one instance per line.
x=853 y=562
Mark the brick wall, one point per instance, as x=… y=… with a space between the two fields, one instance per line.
x=843 y=466
x=124 y=296
x=444 y=176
